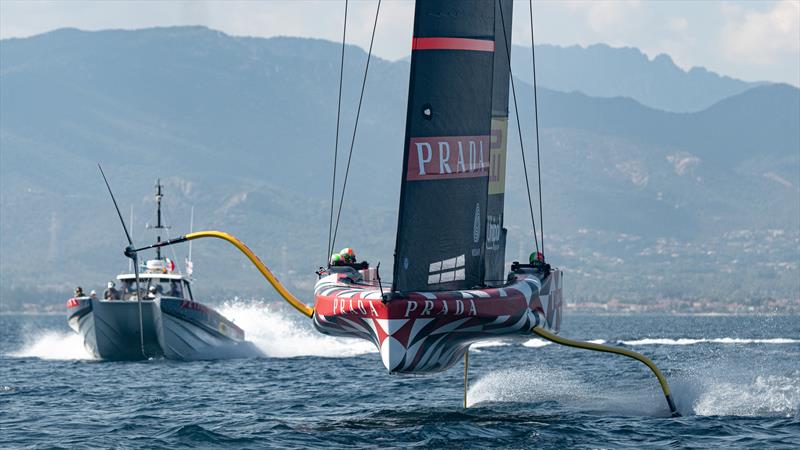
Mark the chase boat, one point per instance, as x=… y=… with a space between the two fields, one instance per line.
x=159 y=319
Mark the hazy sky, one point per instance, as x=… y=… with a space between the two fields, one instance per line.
x=751 y=40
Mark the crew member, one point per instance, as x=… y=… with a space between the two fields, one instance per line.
x=111 y=293
x=336 y=259
x=537 y=259
x=348 y=255
x=79 y=292
x=93 y=295
x=151 y=292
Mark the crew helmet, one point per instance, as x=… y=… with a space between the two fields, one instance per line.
x=336 y=259
x=348 y=255
x=536 y=257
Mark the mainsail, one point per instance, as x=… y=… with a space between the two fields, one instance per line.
x=442 y=224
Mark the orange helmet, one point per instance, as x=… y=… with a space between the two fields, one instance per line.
x=348 y=255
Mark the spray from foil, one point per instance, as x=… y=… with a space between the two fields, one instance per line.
x=740 y=394
x=705 y=393
x=279 y=332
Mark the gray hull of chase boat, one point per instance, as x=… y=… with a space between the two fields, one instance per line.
x=173 y=328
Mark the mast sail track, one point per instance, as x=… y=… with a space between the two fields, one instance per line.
x=495 y=231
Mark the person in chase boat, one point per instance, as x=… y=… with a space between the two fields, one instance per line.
x=111 y=293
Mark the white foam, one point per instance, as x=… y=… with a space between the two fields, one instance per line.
x=491 y=343
x=535 y=343
x=53 y=345
x=526 y=385
x=278 y=332
x=726 y=340
x=764 y=395
x=711 y=391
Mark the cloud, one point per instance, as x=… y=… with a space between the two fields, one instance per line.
x=761 y=37
x=607 y=16
x=750 y=40
x=677 y=24
x=615 y=21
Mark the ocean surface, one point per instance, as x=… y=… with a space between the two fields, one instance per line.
x=736 y=380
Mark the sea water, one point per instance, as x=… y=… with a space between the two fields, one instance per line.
x=736 y=380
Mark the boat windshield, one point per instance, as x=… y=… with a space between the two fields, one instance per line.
x=164 y=287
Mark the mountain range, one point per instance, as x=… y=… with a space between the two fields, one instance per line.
x=602 y=71
x=656 y=184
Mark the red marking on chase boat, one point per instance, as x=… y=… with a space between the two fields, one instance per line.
x=72 y=303
x=448 y=43
x=188 y=304
x=436 y=158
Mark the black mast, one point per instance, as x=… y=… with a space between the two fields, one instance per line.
x=159 y=225
x=495 y=251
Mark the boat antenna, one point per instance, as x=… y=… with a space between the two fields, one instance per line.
x=130 y=261
x=159 y=225
x=536 y=122
x=355 y=126
x=329 y=250
x=519 y=129
x=130 y=253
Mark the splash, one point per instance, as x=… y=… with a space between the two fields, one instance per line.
x=567 y=389
x=536 y=343
x=726 y=340
x=53 y=345
x=534 y=384
x=754 y=396
x=710 y=391
x=277 y=332
x=478 y=347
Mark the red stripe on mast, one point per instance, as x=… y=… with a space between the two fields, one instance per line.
x=442 y=43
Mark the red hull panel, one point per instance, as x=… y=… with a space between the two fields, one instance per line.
x=427 y=332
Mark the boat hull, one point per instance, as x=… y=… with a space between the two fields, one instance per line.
x=427 y=332
x=172 y=328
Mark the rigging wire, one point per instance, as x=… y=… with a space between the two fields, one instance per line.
x=355 y=126
x=519 y=127
x=536 y=121
x=336 y=145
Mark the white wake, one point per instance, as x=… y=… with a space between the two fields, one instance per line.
x=725 y=340
x=279 y=332
x=53 y=345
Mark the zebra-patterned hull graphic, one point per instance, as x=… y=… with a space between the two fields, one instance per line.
x=425 y=332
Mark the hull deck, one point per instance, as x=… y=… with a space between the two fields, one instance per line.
x=426 y=332
x=172 y=328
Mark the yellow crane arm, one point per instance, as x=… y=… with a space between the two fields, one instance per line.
x=294 y=301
